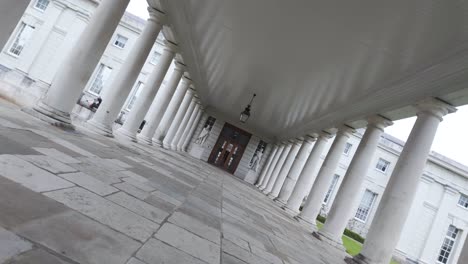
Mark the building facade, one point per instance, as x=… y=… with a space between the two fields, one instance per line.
x=435 y=230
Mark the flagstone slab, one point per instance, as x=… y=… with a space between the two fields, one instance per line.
x=135 y=261
x=49 y=164
x=79 y=238
x=37 y=256
x=30 y=176
x=11 y=245
x=106 y=212
x=154 y=251
x=58 y=155
x=189 y=243
x=195 y=226
x=132 y=190
x=90 y=183
x=139 y=207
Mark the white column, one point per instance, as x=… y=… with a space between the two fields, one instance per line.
x=285 y=169
x=398 y=196
x=325 y=176
x=113 y=99
x=274 y=163
x=160 y=104
x=278 y=167
x=10 y=14
x=171 y=112
x=184 y=123
x=463 y=258
x=192 y=130
x=78 y=67
x=296 y=169
x=175 y=123
x=267 y=166
x=146 y=97
x=347 y=196
x=188 y=127
x=307 y=177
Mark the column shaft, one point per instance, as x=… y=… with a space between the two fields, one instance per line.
x=296 y=170
x=307 y=176
x=175 y=123
x=325 y=176
x=188 y=127
x=272 y=167
x=114 y=97
x=285 y=169
x=192 y=130
x=347 y=196
x=78 y=67
x=183 y=124
x=146 y=97
x=171 y=112
x=398 y=196
x=159 y=105
x=278 y=168
x=267 y=166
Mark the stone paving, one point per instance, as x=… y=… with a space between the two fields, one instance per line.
x=72 y=197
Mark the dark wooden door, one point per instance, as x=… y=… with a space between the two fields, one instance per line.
x=229 y=148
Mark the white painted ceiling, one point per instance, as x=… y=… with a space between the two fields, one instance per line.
x=315 y=64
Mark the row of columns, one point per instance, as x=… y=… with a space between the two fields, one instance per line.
x=170 y=112
x=293 y=172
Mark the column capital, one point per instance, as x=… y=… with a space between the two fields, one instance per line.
x=179 y=66
x=435 y=107
x=59 y=5
x=170 y=46
x=311 y=138
x=346 y=130
x=450 y=190
x=378 y=122
x=156 y=16
x=187 y=80
x=325 y=135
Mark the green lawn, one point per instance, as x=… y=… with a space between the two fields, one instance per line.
x=352 y=246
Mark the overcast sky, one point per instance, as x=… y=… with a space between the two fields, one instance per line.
x=452 y=136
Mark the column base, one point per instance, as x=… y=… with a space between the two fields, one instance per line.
x=125 y=135
x=358 y=259
x=157 y=142
x=271 y=196
x=173 y=147
x=326 y=239
x=99 y=128
x=279 y=201
x=145 y=140
x=265 y=191
x=290 y=211
x=304 y=220
x=261 y=188
x=50 y=115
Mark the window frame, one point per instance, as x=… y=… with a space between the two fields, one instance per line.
x=96 y=74
x=386 y=168
x=37 y=2
x=451 y=236
x=369 y=209
x=134 y=95
x=116 y=40
x=331 y=189
x=465 y=205
x=153 y=56
x=16 y=38
x=347 y=149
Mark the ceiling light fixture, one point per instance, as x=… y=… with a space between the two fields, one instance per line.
x=244 y=116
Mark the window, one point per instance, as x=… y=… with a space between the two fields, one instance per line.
x=382 y=165
x=22 y=37
x=41 y=4
x=135 y=93
x=447 y=245
x=210 y=122
x=120 y=41
x=463 y=201
x=365 y=206
x=155 y=58
x=102 y=75
x=347 y=148
x=331 y=189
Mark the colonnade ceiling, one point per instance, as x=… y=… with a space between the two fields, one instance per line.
x=317 y=63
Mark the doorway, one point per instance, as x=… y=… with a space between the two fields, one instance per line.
x=228 y=150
